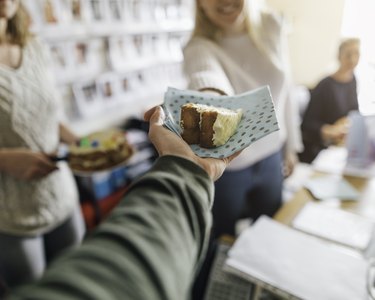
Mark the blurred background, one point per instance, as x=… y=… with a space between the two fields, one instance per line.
x=113 y=59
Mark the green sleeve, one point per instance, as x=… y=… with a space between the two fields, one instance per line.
x=148 y=248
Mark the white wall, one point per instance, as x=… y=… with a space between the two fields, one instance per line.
x=315 y=33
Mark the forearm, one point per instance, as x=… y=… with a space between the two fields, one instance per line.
x=147 y=249
x=5 y=154
x=3 y=158
x=203 y=68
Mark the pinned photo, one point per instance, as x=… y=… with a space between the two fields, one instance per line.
x=58 y=56
x=97 y=10
x=108 y=87
x=89 y=92
x=115 y=9
x=50 y=12
x=76 y=8
x=80 y=52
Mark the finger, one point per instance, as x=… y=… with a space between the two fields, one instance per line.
x=158 y=116
x=233 y=156
x=147 y=115
x=48 y=164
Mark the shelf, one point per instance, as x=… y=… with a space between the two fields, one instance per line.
x=62 y=32
x=66 y=77
x=117 y=114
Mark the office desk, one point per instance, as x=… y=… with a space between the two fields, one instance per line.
x=365 y=206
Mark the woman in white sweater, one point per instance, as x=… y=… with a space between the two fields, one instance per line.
x=39 y=209
x=238 y=46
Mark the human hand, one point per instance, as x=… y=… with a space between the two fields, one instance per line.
x=168 y=143
x=289 y=163
x=25 y=164
x=335 y=133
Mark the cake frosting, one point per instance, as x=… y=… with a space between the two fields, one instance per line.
x=99 y=150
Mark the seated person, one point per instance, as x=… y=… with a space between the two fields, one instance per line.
x=325 y=121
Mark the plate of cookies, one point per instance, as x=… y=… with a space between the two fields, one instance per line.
x=219 y=126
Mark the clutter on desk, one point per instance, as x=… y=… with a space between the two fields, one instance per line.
x=357 y=158
x=360 y=141
x=332 y=187
x=295 y=265
x=334 y=160
x=335 y=225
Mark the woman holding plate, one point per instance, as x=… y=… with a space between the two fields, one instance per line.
x=238 y=46
x=39 y=210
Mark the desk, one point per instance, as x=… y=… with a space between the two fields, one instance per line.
x=365 y=206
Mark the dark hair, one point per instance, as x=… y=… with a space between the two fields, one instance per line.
x=18 y=27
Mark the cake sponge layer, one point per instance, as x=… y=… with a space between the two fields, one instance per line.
x=208 y=126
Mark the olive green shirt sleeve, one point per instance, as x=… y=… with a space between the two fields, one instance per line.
x=148 y=248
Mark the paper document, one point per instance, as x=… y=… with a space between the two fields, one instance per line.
x=298 y=264
x=328 y=187
x=334 y=160
x=335 y=224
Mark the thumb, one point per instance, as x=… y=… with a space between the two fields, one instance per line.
x=158 y=116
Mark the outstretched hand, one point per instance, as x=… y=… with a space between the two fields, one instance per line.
x=168 y=143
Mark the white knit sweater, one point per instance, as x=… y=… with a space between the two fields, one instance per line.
x=234 y=65
x=29 y=119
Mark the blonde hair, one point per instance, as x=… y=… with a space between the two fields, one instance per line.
x=253 y=10
x=346 y=42
x=18 y=27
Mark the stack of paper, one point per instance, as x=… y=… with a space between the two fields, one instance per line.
x=335 y=224
x=331 y=186
x=297 y=264
x=333 y=160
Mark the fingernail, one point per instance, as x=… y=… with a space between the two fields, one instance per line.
x=162 y=113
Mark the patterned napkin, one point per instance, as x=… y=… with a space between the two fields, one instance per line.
x=258 y=120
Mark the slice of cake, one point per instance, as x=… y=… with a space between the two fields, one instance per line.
x=208 y=126
x=100 y=150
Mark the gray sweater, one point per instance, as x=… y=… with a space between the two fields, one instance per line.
x=148 y=248
x=29 y=118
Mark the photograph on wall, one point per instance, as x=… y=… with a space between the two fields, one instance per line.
x=131 y=82
x=68 y=103
x=92 y=54
x=50 y=11
x=59 y=56
x=138 y=44
x=116 y=9
x=107 y=86
x=86 y=97
x=76 y=9
x=97 y=10
x=81 y=53
x=121 y=52
x=73 y=9
x=175 y=46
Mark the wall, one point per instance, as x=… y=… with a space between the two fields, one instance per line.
x=315 y=27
